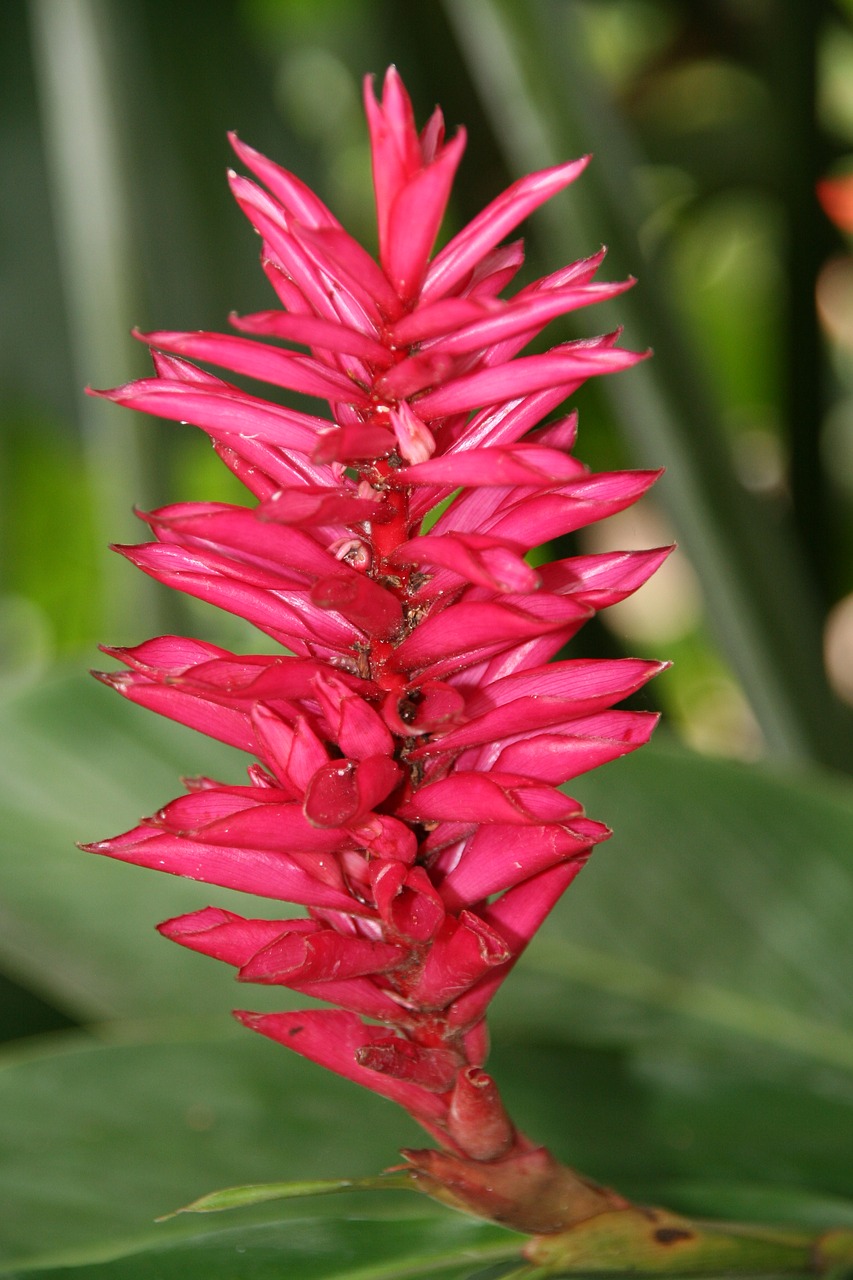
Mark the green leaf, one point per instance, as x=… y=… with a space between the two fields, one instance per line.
x=720 y=906
x=683 y=1125
x=681 y=1029
x=99 y=1140
x=263 y=1192
x=23 y=1013
x=419 y=1246
x=77 y=763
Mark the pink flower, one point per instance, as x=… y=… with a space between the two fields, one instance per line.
x=412 y=733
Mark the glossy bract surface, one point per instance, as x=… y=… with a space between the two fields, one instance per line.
x=409 y=726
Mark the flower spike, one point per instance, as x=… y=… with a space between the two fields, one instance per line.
x=410 y=736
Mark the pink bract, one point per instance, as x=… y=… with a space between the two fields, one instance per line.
x=410 y=728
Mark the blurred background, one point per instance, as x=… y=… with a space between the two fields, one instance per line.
x=721 y=909
x=711 y=123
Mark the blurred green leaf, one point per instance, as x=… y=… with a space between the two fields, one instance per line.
x=76 y=764
x=100 y=1140
x=24 y=1013
x=682 y=1028
x=698 y=1127
x=722 y=902
x=533 y=70
x=430 y=1244
x=74 y=49
x=48 y=544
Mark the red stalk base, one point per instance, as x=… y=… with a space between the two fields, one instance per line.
x=576 y=1225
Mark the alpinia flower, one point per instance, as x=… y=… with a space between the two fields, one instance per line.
x=412 y=734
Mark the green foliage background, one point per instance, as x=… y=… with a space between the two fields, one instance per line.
x=684 y=1027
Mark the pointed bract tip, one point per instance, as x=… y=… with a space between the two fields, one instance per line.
x=247 y=1018
x=243 y=149
x=112 y=679
x=178 y=927
x=329 y=780
x=392 y=77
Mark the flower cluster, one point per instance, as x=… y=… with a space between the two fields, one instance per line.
x=410 y=732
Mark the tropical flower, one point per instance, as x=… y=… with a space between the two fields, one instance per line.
x=410 y=730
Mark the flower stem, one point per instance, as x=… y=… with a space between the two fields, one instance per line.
x=576 y=1225
x=657 y=1242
